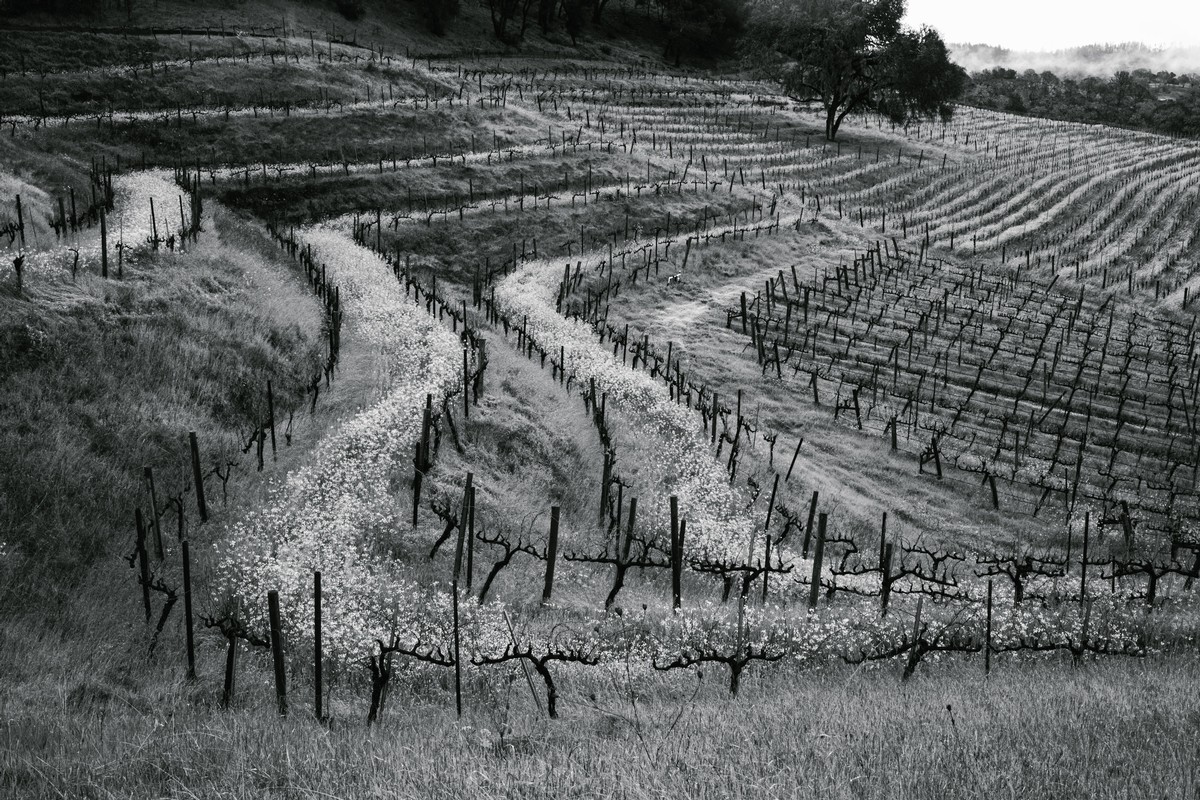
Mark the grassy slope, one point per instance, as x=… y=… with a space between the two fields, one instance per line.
x=104 y=378
x=1107 y=730
x=111 y=372
x=84 y=713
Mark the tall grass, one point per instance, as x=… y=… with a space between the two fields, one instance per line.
x=1035 y=730
x=99 y=379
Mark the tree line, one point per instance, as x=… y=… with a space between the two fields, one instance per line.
x=1155 y=101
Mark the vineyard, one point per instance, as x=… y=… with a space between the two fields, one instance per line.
x=654 y=389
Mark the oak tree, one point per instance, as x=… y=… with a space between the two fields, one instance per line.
x=855 y=56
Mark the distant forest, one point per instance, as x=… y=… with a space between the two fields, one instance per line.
x=1156 y=101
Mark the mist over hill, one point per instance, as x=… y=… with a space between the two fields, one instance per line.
x=1095 y=60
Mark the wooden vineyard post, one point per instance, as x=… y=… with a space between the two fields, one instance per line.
x=157 y=518
x=815 y=587
x=883 y=540
x=197 y=478
x=551 y=555
x=466 y=383
x=277 y=651
x=153 y=226
x=766 y=565
x=426 y=427
x=914 y=655
x=318 y=658
x=1126 y=528
x=230 y=669
x=478 y=388
x=182 y=223
x=987 y=640
x=418 y=471
x=421 y=460
x=799 y=444
x=886 y=574
x=271 y=418
x=63 y=215
x=103 y=243
x=605 y=476
x=470 y=536
x=1087 y=524
x=1070 y=544
x=771 y=507
x=260 y=439
x=714 y=418
x=457 y=655
x=21 y=221
x=812 y=513
x=676 y=555
x=196 y=210
x=181 y=522
x=464 y=514
x=143 y=560
x=187 y=612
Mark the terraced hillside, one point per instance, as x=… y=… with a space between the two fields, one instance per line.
x=1065 y=306
x=518 y=343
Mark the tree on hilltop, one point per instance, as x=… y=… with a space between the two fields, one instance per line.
x=853 y=56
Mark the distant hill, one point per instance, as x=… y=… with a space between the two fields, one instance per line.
x=1098 y=60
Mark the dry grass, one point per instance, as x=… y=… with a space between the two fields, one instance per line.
x=1036 y=730
x=44 y=52
x=102 y=378
x=396 y=27
x=227 y=82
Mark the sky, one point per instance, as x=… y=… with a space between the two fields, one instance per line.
x=1059 y=24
